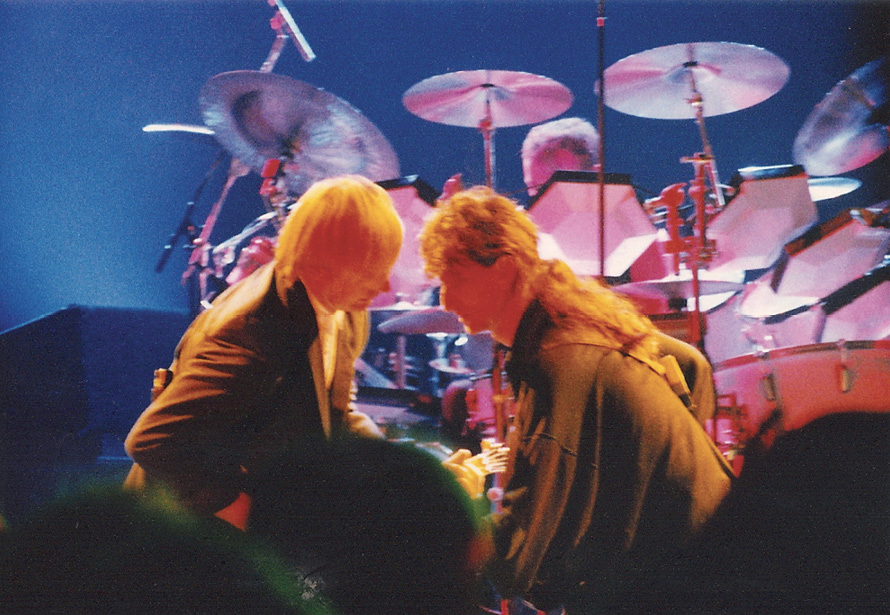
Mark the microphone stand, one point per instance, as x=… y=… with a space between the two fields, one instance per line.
x=186 y=226
x=601 y=126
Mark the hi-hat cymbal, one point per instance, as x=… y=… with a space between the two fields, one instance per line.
x=849 y=127
x=657 y=83
x=258 y=116
x=423 y=322
x=465 y=98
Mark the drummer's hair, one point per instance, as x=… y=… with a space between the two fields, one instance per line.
x=573 y=134
x=479 y=225
x=346 y=221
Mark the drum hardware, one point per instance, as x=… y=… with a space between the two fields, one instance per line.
x=487 y=100
x=848 y=128
x=200 y=259
x=283 y=23
x=727 y=429
x=693 y=81
x=693 y=252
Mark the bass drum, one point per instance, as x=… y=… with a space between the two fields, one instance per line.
x=782 y=390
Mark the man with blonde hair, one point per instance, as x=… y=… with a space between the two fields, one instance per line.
x=609 y=472
x=272 y=359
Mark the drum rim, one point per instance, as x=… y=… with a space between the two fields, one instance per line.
x=777 y=353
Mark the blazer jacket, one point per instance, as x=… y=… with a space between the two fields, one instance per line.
x=247 y=380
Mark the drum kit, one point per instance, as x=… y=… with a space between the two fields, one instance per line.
x=744 y=265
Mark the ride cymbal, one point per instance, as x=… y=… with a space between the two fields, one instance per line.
x=658 y=83
x=466 y=98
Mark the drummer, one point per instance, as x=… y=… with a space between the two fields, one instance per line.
x=568 y=144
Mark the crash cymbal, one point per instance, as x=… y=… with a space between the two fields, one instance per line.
x=657 y=83
x=848 y=128
x=676 y=288
x=259 y=116
x=463 y=98
x=423 y=322
x=822 y=188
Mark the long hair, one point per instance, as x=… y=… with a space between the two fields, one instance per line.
x=479 y=225
x=346 y=221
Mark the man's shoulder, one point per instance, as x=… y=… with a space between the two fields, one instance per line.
x=237 y=311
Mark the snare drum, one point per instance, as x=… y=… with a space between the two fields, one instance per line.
x=790 y=387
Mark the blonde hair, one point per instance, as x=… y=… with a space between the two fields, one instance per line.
x=346 y=221
x=478 y=225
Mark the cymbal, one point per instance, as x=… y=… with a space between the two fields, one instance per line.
x=258 y=116
x=822 y=188
x=657 y=83
x=443 y=365
x=464 y=98
x=183 y=128
x=429 y=320
x=676 y=288
x=848 y=128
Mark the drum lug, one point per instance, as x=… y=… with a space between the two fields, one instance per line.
x=847 y=376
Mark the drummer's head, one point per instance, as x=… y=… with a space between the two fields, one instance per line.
x=341 y=241
x=569 y=144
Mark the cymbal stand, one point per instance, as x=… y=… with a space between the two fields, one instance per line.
x=697 y=103
x=486 y=127
x=699 y=249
